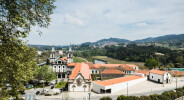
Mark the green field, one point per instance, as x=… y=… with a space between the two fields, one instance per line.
x=78 y=60
x=115 y=61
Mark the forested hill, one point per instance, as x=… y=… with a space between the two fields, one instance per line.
x=104 y=42
x=166 y=38
x=114 y=41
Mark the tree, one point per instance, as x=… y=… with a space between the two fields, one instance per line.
x=45 y=73
x=17 y=66
x=17 y=60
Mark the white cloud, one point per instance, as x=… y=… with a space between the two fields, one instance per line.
x=142 y=24
x=72 y=20
x=91 y=20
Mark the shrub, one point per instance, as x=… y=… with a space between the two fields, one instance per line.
x=154 y=97
x=145 y=98
x=60 y=84
x=121 y=97
x=48 y=95
x=56 y=93
x=132 y=98
x=106 y=98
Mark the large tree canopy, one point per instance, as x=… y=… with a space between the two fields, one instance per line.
x=17 y=16
x=17 y=63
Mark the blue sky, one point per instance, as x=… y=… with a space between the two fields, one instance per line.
x=78 y=21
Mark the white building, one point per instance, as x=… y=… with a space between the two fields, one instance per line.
x=80 y=79
x=60 y=65
x=117 y=84
x=160 y=76
x=39 y=52
x=133 y=66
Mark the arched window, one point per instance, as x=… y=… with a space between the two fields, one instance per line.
x=92 y=71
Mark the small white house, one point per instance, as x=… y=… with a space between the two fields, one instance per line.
x=160 y=76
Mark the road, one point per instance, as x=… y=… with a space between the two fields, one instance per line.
x=143 y=88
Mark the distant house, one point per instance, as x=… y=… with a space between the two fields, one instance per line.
x=94 y=68
x=160 y=76
x=39 y=52
x=133 y=66
x=144 y=71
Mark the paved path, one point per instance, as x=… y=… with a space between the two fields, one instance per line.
x=143 y=88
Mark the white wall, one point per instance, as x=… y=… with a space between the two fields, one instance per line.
x=117 y=87
x=155 y=77
x=59 y=68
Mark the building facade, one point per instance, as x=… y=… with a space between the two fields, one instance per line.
x=160 y=76
x=60 y=65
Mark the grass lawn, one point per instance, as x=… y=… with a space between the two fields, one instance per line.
x=60 y=84
x=78 y=60
x=116 y=61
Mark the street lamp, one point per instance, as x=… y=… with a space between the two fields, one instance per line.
x=89 y=95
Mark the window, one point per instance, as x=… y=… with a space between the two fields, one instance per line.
x=152 y=76
x=59 y=66
x=96 y=71
x=55 y=66
x=63 y=67
x=59 y=62
x=92 y=71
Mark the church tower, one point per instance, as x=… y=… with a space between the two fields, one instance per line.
x=52 y=55
x=70 y=55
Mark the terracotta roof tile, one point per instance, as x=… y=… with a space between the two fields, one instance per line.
x=159 y=72
x=143 y=71
x=108 y=71
x=71 y=64
x=117 y=80
x=131 y=65
x=84 y=70
x=64 y=59
x=177 y=72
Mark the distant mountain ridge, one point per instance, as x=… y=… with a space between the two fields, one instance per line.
x=104 y=42
x=115 y=41
x=166 y=38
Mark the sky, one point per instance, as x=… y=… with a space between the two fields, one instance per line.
x=79 y=21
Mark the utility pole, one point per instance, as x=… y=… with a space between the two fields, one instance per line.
x=176 y=83
x=127 y=88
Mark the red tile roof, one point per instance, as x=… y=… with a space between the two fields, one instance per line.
x=117 y=66
x=71 y=64
x=64 y=59
x=117 y=80
x=108 y=71
x=177 y=73
x=84 y=70
x=143 y=71
x=159 y=72
x=131 y=65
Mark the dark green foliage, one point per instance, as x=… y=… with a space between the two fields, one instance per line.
x=48 y=94
x=145 y=98
x=106 y=98
x=154 y=97
x=121 y=97
x=132 y=98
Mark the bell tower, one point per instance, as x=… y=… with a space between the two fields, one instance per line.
x=70 y=55
x=52 y=55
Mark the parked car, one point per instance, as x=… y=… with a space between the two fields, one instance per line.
x=37 y=92
x=45 y=90
x=52 y=87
